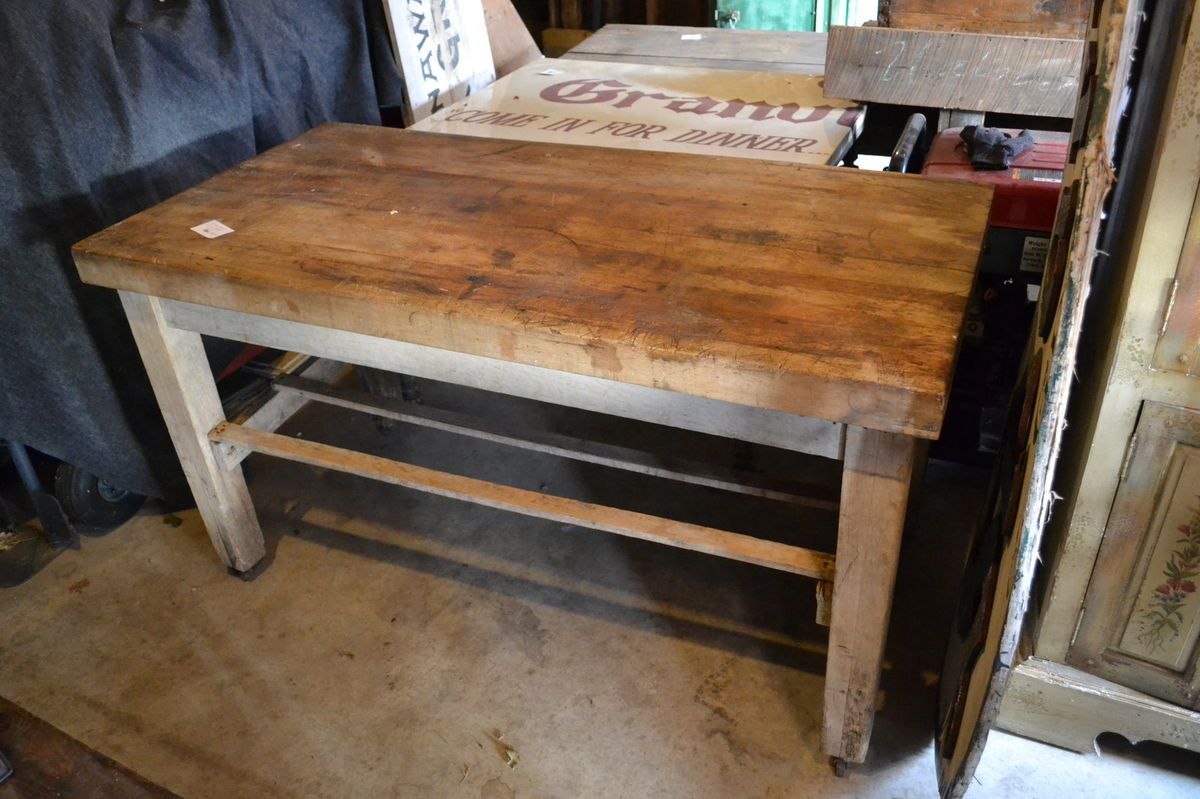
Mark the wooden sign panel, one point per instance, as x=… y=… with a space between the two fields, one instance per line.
x=769 y=116
x=964 y=71
x=797 y=52
x=443 y=51
x=1068 y=19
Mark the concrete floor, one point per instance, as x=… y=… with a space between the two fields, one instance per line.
x=402 y=645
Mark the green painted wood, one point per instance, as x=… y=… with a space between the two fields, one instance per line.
x=794 y=15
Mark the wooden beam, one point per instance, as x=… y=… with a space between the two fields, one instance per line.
x=578 y=449
x=657 y=406
x=875 y=488
x=734 y=546
x=272 y=414
x=794 y=52
x=512 y=45
x=571 y=12
x=1063 y=18
x=824 y=602
x=187 y=396
x=967 y=71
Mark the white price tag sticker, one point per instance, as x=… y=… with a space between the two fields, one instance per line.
x=692 y=37
x=212 y=229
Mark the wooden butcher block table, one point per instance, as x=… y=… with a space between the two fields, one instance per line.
x=811 y=308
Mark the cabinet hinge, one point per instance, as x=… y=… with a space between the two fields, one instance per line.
x=1128 y=457
x=1162 y=329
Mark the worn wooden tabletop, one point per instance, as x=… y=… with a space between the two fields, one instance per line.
x=829 y=293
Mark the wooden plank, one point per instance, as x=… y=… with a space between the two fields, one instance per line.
x=745 y=281
x=1066 y=19
x=571 y=12
x=578 y=449
x=971 y=72
x=47 y=762
x=511 y=43
x=800 y=53
x=187 y=396
x=824 y=603
x=734 y=546
x=977 y=667
x=273 y=413
x=761 y=115
x=652 y=12
x=733 y=65
x=442 y=49
x=557 y=41
x=875 y=488
x=739 y=422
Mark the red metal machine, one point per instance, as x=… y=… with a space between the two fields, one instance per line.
x=1022 y=216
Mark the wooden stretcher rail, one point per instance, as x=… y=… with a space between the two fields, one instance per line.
x=721 y=543
x=578 y=449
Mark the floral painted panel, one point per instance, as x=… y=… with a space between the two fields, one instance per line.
x=1165 y=622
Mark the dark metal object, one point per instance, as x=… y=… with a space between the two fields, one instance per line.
x=91 y=503
x=910 y=147
x=1166 y=25
x=55 y=523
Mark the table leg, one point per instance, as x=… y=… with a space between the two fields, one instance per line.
x=875 y=487
x=187 y=396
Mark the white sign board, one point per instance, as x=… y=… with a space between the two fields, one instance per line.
x=765 y=115
x=443 y=51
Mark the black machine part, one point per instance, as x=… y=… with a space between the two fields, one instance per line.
x=55 y=523
x=93 y=503
x=909 y=151
x=992 y=148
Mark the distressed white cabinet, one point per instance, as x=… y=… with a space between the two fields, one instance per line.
x=1141 y=616
x=1113 y=636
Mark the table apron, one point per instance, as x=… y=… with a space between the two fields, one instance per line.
x=657 y=406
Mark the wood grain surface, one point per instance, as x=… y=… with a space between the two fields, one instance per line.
x=968 y=71
x=512 y=45
x=48 y=763
x=797 y=52
x=1063 y=18
x=875 y=489
x=569 y=512
x=828 y=293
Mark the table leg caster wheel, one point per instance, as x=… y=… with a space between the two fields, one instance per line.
x=840 y=767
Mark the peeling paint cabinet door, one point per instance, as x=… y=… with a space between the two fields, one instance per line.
x=1178 y=348
x=1141 y=619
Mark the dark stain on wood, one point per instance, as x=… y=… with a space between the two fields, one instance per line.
x=48 y=762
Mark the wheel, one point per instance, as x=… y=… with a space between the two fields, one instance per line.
x=92 y=502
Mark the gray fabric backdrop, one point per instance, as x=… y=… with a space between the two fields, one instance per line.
x=107 y=107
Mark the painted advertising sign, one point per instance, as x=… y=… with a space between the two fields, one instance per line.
x=765 y=115
x=443 y=51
